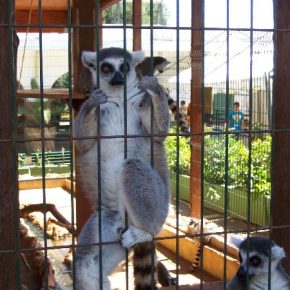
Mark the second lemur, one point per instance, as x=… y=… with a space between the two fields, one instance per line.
x=124 y=152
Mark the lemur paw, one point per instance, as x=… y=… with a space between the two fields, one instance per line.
x=97 y=97
x=133 y=236
x=151 y=85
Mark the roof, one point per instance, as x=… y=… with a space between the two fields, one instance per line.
x=54 y=14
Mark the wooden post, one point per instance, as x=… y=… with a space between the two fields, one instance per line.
x=84 y=38
x=8 y=165
x=137 y=22
x=281 y=140
x=196 y=108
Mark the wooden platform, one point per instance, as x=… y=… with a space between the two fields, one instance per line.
x=49 y=94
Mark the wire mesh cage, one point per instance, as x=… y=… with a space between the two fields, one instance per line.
x=74 y=211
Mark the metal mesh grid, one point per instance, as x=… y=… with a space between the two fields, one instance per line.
x=189 y=61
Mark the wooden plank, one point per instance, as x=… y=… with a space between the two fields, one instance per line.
x=213 y=260
x=37 y=183
x=48 y=18
x=187 y=248
x=137 y=22
x=217 y=285
x=196 y=108
x=49 y=94
x=53 y=13
x=9 y=261
x=83 y=39
x=55 y=5
x=45 y=4
x=281 y=135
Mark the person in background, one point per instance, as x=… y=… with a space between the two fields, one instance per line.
x=236 y=118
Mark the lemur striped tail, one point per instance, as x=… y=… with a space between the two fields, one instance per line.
x=144 y=265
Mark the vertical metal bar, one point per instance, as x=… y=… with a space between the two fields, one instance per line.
x=71 y=141
x=177 y=203
x=40 y=24
x=250 y=132
x=99 y=178
x=125 y=112
x=203 y=104
x=152 y=127
x=226 y=140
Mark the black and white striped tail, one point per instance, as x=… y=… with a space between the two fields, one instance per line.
x=195 y=264
x=179 y=118
x=144 y=266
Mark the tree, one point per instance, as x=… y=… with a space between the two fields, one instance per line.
x=114 y=14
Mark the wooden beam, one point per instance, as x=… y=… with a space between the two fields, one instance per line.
x=55 y=5
x=281 y=136
x=213 y=259
x=137 y=22
x=9 y=255
x=83 y=39
x=49 y=94
x=48 y=18
x=53 y=13
x=196 y=109
x=45 y=4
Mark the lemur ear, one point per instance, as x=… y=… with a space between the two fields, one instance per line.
x=277 y=252
x=137 y=56
x=89 y=59
x=236 y=240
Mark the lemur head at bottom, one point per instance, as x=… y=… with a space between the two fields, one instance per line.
x=260 y=262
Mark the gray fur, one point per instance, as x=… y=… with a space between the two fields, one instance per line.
x=128 y=181
x=258 y=275
x=87 y=255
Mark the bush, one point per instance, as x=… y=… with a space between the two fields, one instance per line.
x=240 y=159
x=182 y=155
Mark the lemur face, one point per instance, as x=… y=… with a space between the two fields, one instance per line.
x=255 y=255
x=116 y=66
x=115 y=71
x=255 y=264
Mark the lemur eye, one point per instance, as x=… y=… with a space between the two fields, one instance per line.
x=255 y=261
x=106 y=68
x=124 y=67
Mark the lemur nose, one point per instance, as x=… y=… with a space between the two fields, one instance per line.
x=242 y=274
x=117 y=79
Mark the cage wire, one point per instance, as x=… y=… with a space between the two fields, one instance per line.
x=220 y=170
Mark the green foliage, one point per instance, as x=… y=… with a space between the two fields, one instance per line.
x=261 y=164
x=34 y=84
x=114 y=14
x=181 y=153
x=241 y=164
x=62 y=81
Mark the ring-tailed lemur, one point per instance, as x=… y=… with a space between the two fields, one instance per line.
x=128 y=181
x=148 y=67
x=195 y=229
x=255 y=255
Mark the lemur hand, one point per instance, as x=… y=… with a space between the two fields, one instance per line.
x=151 y=85
x=96 y=98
